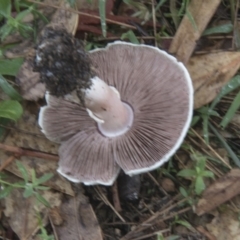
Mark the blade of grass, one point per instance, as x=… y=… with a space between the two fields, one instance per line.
x=236 y=31
x=157 y=7
x=5 y=8
x=3 y=122
x=183 y=7
x=43 y=178
x=10 y=66
x=225 y=28
x=11 y=109
x=9 y=90
x=174 y=13
x=232 y=8
x=131 y=36
x=195 y=120
x=233 y=84
x=102 y=13
x=160 y=4
x=226 y=146
x=212 y=149
x=42 y=200
x=191 y=19
x=23 y=171
x=231 y=111
x=205 y=129
x=205 y=113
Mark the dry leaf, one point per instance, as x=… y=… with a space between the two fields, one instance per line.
x=55 y=216
x=21 y=50
x=219 y=192
x=28 y=80
x=22 y=212
x=225 y=226
x=236 y=119
x=190 y=30
x=26 y=134
x=64 y=18
x=80 y=221
x=210 y=72
x=31 y=88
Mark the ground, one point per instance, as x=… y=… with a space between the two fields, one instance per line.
x=195 y=195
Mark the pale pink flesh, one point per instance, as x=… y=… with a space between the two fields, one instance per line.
x=105 y=106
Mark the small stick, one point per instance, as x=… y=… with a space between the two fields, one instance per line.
x=105 y=200
x=156 y=182
x=152 y=234
x=7 y=162
x=30 y=153
x=115 y=195
x=216 y=154
x=208 y=235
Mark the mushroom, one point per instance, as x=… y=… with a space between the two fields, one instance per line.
x=134 y=115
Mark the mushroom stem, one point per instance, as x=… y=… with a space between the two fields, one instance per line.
x=104 y=105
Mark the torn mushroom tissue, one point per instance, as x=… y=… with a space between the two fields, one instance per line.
x=103 y=104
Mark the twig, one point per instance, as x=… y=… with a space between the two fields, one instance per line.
x=30 y=153
x=105 y=200
x=156 y=182
x=235 y=23
x=7 y=162
x=216 y=171
x=206 y=233
x=115 y=196
x=154 y=218
x=83 y=14
x=216 y=154
x=152 y=234
x=145 y=225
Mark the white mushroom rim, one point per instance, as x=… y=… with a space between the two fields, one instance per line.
x=95 y=112
x=166 y=157
x=88 y=183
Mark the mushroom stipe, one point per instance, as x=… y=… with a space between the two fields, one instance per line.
x=158 y=90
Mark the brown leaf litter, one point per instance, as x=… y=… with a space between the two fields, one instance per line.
x=224 y=225
x=79 y=220
x=26 y=134
x=222 y=190
x=210 y=72
x=23 y=214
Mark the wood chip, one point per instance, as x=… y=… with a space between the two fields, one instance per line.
x=219 y=192
x=190 y=30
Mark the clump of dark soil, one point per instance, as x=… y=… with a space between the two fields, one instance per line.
x=62 y=62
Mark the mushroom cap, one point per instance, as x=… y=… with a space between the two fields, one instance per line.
x=159 y=90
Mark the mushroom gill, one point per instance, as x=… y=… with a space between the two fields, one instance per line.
x=156 y=87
